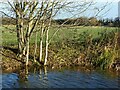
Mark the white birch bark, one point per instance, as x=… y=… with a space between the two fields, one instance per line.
x=41 y=42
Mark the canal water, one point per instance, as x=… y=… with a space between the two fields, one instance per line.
x=60 y=78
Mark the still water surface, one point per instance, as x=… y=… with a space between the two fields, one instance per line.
x=64 y=78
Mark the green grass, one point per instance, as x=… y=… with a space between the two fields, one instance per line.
x=8 y=36
x=72 y=42
x=9 y=33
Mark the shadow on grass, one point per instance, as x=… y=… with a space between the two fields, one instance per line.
x=11 y=56
x=15 y=50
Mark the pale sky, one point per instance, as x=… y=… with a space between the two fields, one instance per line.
x=112 y=13
x=111 y=10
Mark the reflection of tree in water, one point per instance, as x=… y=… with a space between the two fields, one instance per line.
x=43 y=76
x=45 y=73
x=39 y=74
x=23 y=76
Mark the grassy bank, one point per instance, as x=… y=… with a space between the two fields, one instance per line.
x=86 y=46
x=70 y=33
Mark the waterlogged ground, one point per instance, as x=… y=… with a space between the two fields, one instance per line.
x=63 y=78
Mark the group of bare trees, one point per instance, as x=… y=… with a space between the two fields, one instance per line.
x=35 y=12
x=39 y=12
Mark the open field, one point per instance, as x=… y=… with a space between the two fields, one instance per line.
x=64 y=33
x=87 y=46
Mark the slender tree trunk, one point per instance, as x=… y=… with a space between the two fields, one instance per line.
x=35 y=50
x=19 y=36
x=47 y=34
x=46 y=51
x=27 y=52
x=20 y=33
x=41 y=42
x=28 y=42
x=27 y=39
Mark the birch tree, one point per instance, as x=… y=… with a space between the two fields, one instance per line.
x=47 y=31
x=28 y=10
x=32 y=11
x=41 y=11
x=51 y=7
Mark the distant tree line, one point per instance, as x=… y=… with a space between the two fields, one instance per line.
x=82 y=21
x=92 y=21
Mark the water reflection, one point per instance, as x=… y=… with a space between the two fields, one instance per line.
x=66 y=78
x=36 y=77
x=45 y=78
x=23 y=74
